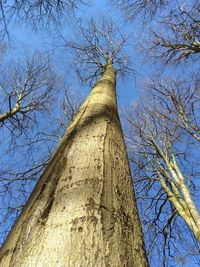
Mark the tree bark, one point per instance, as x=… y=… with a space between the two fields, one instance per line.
x=82 y=211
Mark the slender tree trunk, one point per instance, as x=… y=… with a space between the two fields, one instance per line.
x=82 y=212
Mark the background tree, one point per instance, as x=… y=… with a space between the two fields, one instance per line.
x=171 y=117
x=25 y=90
x=133 y=8
x=173 y=33
x=30 y=91
x=164 y=151
x=179 y=39
x=35 y=13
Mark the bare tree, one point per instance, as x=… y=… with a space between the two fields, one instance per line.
x=183 y=99
x=145 y=8
x=164 y=150
x=174 y=35
x=26 y=89
x=30 y=128
x=85 y=197
x=177 y=36
x=35 y=13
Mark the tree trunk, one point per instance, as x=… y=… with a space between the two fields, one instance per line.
x=82 y=212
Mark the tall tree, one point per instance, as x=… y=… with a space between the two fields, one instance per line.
x=82 y=211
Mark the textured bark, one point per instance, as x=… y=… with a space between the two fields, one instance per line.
x=82 y=212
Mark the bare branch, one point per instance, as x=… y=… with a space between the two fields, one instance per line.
x=179 y=39
x=132 y=8
x=99 y=42
x=36 y=13
x=25 y=91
